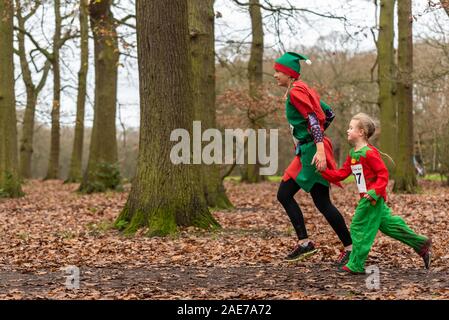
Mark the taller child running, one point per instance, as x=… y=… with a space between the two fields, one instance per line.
x=308 y=118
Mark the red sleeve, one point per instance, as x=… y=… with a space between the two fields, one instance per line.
x=300 y=99
x=377 y=165
x=340 y=174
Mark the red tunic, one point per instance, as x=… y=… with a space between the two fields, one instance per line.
x=305 y=100
x=374 y=171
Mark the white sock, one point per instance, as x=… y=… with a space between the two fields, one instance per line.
x=349 y=248
x=304 y=242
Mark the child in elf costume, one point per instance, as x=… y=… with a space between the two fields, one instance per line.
x=308 y=117
x=372 y=213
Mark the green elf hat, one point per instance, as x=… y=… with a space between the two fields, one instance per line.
x=289 y=64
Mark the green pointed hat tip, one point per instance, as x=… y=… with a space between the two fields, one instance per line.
x=289 y=63
x=301 y=57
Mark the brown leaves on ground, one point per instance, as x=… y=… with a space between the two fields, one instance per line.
x=53 y=227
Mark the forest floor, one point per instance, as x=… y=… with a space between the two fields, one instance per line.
x=53 y=228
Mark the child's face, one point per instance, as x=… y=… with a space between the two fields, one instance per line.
x=282 y=79
x=355 y=134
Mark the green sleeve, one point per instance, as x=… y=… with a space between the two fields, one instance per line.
x=329 y=113
x=325 y=106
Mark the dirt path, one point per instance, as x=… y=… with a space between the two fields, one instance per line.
x=299 y=281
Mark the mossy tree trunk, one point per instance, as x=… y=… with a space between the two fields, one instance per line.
x=405 y=175
x=75 y=173
x=202 y=42
x=386 y=79
x=250 y=172
x=32 y=92
x=102 y=171
x=53 y=166
x=164 y=195
x=9 y=171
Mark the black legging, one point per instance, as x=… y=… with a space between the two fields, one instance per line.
x=321 y=199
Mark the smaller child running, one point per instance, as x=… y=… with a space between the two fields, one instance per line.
x=372 y=213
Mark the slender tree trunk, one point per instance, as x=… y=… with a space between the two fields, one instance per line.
x=405 y=177
x=164 y=195
x=26 y=140
x=75 y=173
x=255 y=64
x=32 y=92
x=102 y=169
x=386 y=78
x=434 y=150
x=445 y=5
x=53 y=166
x=9 y=171
x=255 y=79
x=202 y=42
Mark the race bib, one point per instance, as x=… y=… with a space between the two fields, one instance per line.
x=357 y=170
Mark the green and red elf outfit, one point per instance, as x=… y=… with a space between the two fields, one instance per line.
x=371 y=177
x=308 y=118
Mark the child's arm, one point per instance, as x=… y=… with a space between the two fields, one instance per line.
x=339 y=174
x=376 y=164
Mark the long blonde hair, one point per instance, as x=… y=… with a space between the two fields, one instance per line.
x=367 y=124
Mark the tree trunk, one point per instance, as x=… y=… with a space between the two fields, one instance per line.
x=102 y=169
x=9 y=173
x=386 y=66
x=202 y=42
x=255 y=78
x=32 y=92
x=53 y=166
x=445 y=5
x=164 y=195
x=75 y=173
x=405 y=177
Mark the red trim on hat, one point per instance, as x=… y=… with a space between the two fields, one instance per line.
x=290 y=72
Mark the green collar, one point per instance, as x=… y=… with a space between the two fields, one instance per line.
x=360 y=153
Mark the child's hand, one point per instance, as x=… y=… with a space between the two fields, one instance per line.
x=370 y=199
x=319 y=160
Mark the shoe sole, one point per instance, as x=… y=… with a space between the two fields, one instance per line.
x=344 y=272
x=303 y=256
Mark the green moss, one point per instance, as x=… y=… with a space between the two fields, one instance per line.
x=434 y=177
x=221 y=202
x=121 y=224
x=122 y=220
x=137 y=221
x=161 y=221
x=66 y=234
x=105 y=176
x=233 y=178
x=275 y=178
x=160 y=224
x=206 y=221
x=10 y=186
x=100 y=227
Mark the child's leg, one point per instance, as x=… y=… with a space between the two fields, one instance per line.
x=364 y=227
x=395 y=227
